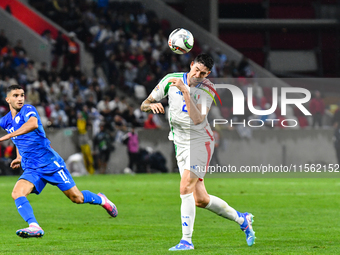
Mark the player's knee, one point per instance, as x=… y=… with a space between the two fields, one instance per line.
x=16 y=194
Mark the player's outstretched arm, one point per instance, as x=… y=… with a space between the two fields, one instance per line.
x=27 y=127
x=150 y=105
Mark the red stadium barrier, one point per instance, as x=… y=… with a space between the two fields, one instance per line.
x=28 y=17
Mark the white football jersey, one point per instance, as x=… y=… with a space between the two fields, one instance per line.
x=183 y=131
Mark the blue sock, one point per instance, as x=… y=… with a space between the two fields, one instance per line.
x=25 y=209
x=91 y=198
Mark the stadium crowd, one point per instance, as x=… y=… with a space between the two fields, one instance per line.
x=130 y=45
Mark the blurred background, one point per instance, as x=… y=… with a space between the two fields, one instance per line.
x=87 y=65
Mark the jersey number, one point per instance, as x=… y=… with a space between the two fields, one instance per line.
x=184 y=108
x=63 y=176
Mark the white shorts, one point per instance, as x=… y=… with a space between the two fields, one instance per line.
x=195 y=158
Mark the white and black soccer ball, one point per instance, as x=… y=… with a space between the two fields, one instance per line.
x=181 y=41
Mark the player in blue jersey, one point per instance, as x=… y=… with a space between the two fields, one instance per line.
x=41 y=164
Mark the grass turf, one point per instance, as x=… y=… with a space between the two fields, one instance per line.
x=292 y=216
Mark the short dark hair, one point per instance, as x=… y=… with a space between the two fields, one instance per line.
x=205 y=59
x=13 y=87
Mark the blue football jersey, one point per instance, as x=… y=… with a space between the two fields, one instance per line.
x=33 y=147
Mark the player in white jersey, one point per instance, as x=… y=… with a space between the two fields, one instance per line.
x=194 y=144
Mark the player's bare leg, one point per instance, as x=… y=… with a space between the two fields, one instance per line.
x=221 y=208
x=20 y=191
x=85 y=196
x=188 y=210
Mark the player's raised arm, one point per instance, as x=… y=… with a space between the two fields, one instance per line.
x=194 y=110
x=150 y=105
x=27 y=127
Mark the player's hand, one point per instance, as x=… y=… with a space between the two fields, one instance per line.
x=16 y=163
x=157 y=108
x=176 y=82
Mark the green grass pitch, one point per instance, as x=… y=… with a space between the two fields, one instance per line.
x=292 y=216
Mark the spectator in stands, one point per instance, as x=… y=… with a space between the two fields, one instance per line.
x=103 y=147
x=32 y=96
x=72 y=117
x=58 y=117
x=160 y=40
x=151 y=82
x=42 y=90
x=132 y=142
x=99 y=59
x=122 y=104
x=82 y=126
x=59 y=50
x=8 y=70
x=3 y=39
x=150 y=123
x=8 y=50
x=43 y=73
x=8 y=81
x=47 y=36
x=130 y=74
x=317 y=109
x=244 y=68
x=31 y=72
x=111 y=92
x=21 y=73
x=72 y=51
x=105 y=107
x=19 y=59
x=19 y=48
x=130 y=117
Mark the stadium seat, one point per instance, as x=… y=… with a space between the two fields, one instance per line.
x=140 y=92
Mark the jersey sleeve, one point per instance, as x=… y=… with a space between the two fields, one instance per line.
x=208 y=92
x=29 y=112
x=162 y=88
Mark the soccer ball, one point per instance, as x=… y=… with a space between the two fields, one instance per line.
x=181 y=41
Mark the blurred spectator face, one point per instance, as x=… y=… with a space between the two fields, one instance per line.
x=317 y=94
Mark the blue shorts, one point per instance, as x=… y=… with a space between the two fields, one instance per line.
x=60 y=178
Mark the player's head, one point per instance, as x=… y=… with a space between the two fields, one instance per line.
x=201 y=67
x=15 y=97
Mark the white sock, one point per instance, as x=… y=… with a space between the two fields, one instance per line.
x=103 y=201
x=34 y=224
x=188 y=212
x=221 y=208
